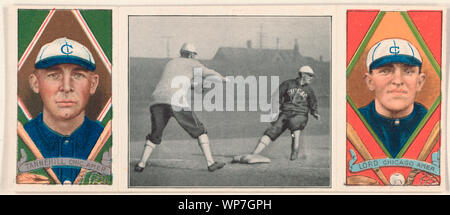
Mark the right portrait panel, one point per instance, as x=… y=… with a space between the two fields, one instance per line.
x=393 y=97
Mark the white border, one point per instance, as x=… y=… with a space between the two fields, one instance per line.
x=120 y=82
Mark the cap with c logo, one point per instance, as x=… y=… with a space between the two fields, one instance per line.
x=394 y=50
x=64 y=50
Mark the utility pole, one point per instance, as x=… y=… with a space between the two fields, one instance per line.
x=167 y=38
x=278 y=43
x=261 y=36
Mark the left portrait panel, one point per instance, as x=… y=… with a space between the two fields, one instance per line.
x=64 y=96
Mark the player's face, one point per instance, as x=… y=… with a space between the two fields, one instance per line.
x=307 y=78
x=64 y=89
x=395 y=86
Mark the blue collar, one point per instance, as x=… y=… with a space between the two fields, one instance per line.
x=50 y=133
x=393 y=121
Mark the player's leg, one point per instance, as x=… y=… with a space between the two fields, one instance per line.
x=160 y=115
x=296 y=124
x=148 y=149
x=264 y=141
x=203 y=142
x=295 y=145
x=190 y=123
x=271 y=134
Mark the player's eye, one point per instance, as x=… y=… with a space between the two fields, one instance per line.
x=409 y=71
x=78 y=75
x=53 y=75
x=385 y=71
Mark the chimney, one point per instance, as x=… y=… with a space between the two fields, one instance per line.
x=296 y=48
x=249 y=44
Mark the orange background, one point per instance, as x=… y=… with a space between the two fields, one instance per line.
x=392 y=25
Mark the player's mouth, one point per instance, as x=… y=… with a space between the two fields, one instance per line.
x=65 y=103
x=397 y=92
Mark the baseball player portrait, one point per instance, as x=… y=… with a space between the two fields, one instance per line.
x=393 y=100
x=394 y=76
x=64 y=77
x=162 y=108
x=297 y=100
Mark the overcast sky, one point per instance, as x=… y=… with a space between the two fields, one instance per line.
x=150 y=36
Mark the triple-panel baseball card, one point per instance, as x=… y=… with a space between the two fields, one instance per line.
x=286 y=99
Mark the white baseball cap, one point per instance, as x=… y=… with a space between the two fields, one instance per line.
x=306 y=69
x=189 y=48
x=393 y=50
x=64 y=50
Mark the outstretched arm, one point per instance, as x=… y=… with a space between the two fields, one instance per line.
x=206 y=72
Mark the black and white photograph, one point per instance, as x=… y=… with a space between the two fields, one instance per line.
x=229 y=101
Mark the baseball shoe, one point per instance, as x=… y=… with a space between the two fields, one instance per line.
x=138 y=168
x=215 y=166
x=294 y=155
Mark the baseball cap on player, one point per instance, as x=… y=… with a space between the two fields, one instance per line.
x=394 y=50
x=63 y=50
x=306 y=69
x=188 y=47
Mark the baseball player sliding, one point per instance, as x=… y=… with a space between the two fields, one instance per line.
x=296 y=100
x=162 y=107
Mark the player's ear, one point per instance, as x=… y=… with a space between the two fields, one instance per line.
x=421 y=81
x=94 y=79
x=34 y=82
x=369 y=82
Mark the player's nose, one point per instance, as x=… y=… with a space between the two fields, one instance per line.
x=66 y=83
x=397 y=77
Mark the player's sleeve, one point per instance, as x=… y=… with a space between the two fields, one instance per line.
x=312 y=101
x=277 y=98
x=282 y=91
x=210 y=72
x=274 y=101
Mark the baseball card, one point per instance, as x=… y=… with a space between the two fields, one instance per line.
x=289 y=99
x=394 y=97
x=64 y=96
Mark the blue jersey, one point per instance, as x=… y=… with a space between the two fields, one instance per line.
x=393 y=133
x=52 y=145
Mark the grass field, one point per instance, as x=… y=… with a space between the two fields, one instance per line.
x=181 y=164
